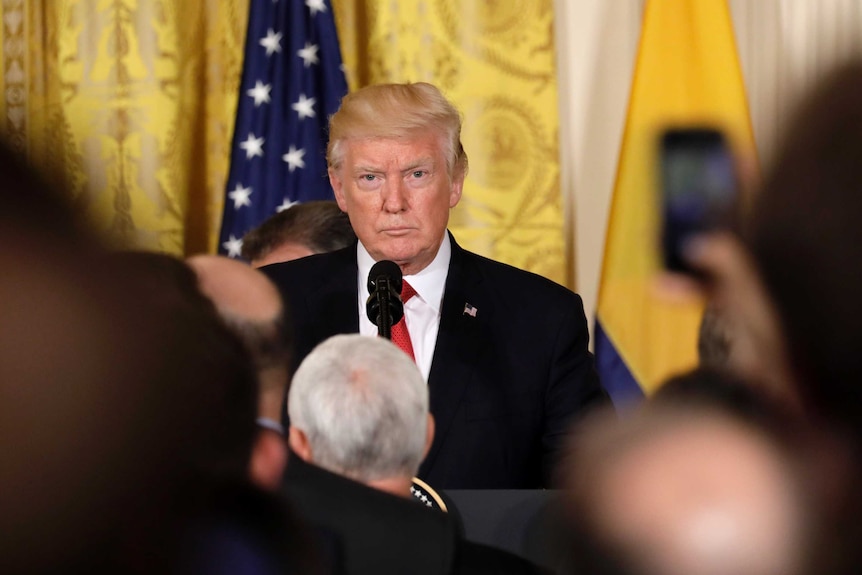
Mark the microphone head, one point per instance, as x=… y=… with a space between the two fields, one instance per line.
x=388 y=269
x=388 y=274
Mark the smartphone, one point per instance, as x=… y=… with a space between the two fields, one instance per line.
x=698 y=189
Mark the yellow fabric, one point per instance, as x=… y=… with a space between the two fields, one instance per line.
x=495 y=61
x=687 y=71
x=131 y=103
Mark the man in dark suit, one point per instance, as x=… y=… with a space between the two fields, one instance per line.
x=504 y=351
x=378 y=532
x=382 y=533
x=359 y=407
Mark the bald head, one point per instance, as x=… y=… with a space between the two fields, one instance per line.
x=251 y=305
x=236 y=289
x=689 y=492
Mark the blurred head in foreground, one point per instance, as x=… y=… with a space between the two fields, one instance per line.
x=807 y=243
x=682 y=491
x=125 y=402
x=214 y=518
x=249 y=303
x=789 y=290
x=66 y=451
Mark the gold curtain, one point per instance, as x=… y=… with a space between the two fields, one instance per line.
x=131 y=103
x=495 y=60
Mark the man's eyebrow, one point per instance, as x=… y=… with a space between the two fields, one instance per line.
x=363 y=168
x=420 y=163
x=427 y=162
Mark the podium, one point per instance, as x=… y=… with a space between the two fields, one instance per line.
x=522 y=522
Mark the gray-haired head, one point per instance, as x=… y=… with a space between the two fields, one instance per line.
x=363 y=405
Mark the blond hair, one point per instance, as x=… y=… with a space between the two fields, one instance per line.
x=397 y=111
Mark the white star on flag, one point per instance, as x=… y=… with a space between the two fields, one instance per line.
x=304 y=107
x=315 y=6
x=233 y=246
x=252 y=146
x=308 y=54
x=293 y=157
x=240 y=196
x=272 y=42
x=260 y=93
x=286 y=204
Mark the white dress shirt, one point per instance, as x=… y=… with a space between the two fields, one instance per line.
x=422 y=311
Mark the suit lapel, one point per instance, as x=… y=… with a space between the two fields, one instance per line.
x=458 y=347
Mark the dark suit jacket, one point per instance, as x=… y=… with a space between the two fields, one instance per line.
x=505 y=385
x=379 y=533
x=383 y=534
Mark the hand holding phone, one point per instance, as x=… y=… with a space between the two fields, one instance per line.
x=698 y=189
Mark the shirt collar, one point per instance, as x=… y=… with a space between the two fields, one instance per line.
x=429 y=283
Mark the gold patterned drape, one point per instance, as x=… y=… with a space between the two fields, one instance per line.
x=495 y=60
x=131 y=103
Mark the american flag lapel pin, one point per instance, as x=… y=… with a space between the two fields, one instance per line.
x=470 y=310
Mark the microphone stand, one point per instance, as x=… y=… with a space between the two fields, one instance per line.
x=384 y=326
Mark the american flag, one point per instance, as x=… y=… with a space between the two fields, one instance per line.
x=292 y=80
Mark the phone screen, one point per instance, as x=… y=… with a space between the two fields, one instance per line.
x=698 y=182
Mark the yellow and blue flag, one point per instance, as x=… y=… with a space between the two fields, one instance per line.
x=292 y=81
x=687 y=73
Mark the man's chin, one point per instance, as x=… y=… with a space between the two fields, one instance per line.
x=402 y=260
x=406 y=261
x=396 y=251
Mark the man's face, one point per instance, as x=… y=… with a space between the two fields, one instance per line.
x=397 y=194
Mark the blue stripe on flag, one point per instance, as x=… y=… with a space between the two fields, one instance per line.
x=613 y=371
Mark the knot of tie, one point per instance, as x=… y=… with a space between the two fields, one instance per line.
x=407 y=292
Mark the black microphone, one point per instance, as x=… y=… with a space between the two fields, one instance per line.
x=384 y=307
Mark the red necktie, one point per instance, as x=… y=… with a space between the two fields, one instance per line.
x=400 y=335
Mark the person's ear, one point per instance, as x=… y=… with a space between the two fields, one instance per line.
x=456 y=188
x=338 y=189
x=299 y=444
x=268 y=460
x=429 y=435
